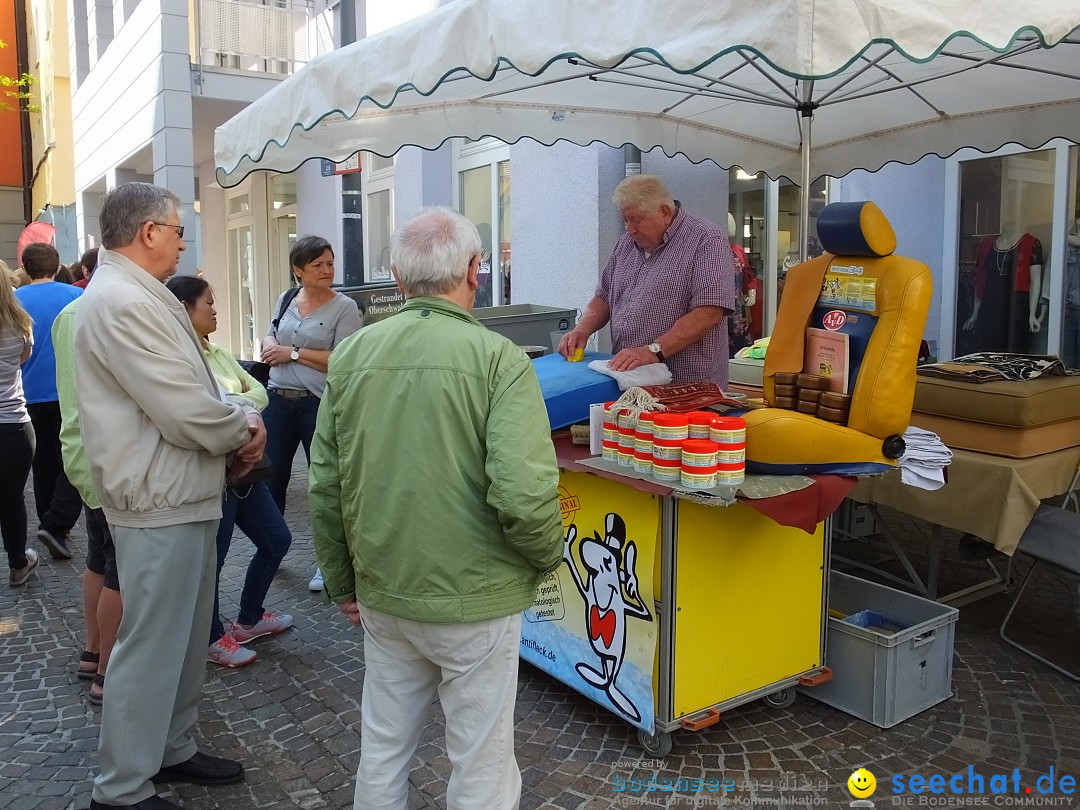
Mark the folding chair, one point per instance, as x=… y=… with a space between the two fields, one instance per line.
x=1052 y=537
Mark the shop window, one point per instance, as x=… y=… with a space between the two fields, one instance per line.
x=483 y=194
x=1005 y=224
x=766 y=214
x=378 y=216
x=282 y=214
x=241 y=251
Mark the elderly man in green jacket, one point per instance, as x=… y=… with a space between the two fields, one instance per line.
x=434 y=509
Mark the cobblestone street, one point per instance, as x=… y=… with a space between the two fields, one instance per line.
x=293 y=716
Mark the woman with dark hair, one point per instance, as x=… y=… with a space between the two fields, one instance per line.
x=64 y=275
x=297 y=349
x=249 y=507
x=88 y=263
x=16 y=435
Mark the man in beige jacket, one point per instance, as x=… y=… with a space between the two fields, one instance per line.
x=157 y=433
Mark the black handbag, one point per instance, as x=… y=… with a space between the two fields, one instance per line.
x=257 y=369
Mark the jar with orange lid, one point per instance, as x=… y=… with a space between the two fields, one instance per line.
x=671 y=426
x=700 y=423
x=728 y=430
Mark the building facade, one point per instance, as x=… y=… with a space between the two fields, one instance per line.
x=12 y=169
x=151 y=79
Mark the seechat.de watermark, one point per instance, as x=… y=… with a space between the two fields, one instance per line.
x=966 y=788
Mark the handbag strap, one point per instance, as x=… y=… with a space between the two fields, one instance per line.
x=287 y=299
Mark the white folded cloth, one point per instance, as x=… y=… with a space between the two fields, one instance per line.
x=924 y=459
x=650 y=374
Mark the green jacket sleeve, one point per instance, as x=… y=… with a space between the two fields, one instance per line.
x=324 y=503
x=76 y=467
x=521 y=465
x=253 y=392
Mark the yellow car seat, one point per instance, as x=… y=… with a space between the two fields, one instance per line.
x=880 y=301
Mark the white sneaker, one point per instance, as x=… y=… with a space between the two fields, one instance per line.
x=227 y=653
x=316 y=583
x=269 y=625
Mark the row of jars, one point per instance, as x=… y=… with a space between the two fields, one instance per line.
x=699 y=450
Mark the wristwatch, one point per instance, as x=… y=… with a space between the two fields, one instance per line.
x=655 y=349
x=295 y=354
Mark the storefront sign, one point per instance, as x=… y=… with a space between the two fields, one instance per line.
x=377 y=302
x=592 y=625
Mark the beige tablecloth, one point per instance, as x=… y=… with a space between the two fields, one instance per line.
x=991 y=497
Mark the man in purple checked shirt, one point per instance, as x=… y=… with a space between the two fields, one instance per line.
x=666 y=289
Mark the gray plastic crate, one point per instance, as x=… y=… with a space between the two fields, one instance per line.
x=886 y=677
x=528 y=324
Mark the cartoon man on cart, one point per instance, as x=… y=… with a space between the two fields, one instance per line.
x=610 y=592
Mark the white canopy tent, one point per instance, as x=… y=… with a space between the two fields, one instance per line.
x=738 y=83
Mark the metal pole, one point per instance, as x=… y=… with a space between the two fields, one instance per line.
x=348 y=23
x=806 y=112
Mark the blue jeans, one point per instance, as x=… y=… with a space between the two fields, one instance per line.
x=258 y=517
x=289 y=423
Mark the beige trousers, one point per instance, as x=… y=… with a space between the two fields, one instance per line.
x=473 y=668
x=158 y=665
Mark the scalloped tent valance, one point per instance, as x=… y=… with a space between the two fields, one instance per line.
x=729 y=81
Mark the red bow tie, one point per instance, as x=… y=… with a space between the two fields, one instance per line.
x=602 y=625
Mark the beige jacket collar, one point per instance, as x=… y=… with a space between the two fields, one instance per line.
x=136 y=274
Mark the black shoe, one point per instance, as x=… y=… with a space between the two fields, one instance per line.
x=153 y=803
x=56 y=545
x=202 y=769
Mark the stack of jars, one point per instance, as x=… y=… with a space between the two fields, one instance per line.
x=627 y=430
x=670 y=430
x=609 y=447
x=699 y=463
x=698 y=450
x=643 y=444
x=729 y=434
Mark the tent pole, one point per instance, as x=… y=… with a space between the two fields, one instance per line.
x=806 y=111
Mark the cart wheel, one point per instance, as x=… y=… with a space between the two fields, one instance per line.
x=781 y=699
x=655 y=745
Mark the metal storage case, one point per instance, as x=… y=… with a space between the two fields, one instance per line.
x=525 y=324
x=528 y=324
x=886 y=677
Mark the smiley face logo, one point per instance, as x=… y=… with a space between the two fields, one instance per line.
x=862 y=784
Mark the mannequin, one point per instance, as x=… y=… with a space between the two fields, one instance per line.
x=1008 y=283
x=748 y=285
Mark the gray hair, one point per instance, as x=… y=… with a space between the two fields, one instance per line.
x=645 y=192
x=128 y=207
x=431 y=252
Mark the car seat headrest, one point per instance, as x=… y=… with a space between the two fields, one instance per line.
x=855 y=229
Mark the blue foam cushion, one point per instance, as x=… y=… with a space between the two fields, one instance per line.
x=855 y=229
x=570 y=388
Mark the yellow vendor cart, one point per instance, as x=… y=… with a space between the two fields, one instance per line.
x=669 y=611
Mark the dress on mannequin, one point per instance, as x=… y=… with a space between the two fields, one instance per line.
x=746 y=326
x=1008 y=279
